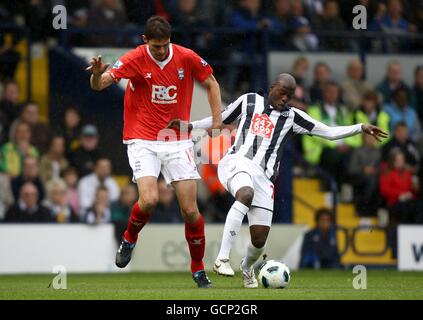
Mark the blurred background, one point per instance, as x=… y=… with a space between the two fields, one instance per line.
x=337 y=203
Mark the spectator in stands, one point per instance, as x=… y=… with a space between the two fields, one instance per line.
x=107 y=13
x=400 y=110
x=13 y=153
x=70 y=129
x=99 y=212
x=313 y=8
x=38 y=17
x=399 y=188
x=30 y=173
x=329 y=20
x=189 y=15
x=121 y=209
x=371 y=112
x=393 y=23
x=246 y=16
x=333 y=156
x=354 y=87
x=402 y=141
x=70 y=176
x=85 y=156
x=139 y=11
x=299 y=70
x=100 y=177
x=53 y=163
x=322 y=74
x=27 y=208
x=392 y=81
x=9 y=108
x=282 y=20
x=9 y=56
x=303 y=38
x=320 y=249
x=364 y=173
x=57 y=202
x=167 y=209
x=6 y=195
x=417 y=92
x=40 y=132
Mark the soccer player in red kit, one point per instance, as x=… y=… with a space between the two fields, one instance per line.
x=161 y=79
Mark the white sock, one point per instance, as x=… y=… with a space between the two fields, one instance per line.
x=252 y=256
x=232 y=226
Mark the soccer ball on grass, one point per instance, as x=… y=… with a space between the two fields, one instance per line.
x=274 y=274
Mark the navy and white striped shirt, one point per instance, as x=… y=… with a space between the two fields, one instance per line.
x=263 y=130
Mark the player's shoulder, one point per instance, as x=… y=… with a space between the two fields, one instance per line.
x=297 y=111
x=135 y=53
x=178 y=49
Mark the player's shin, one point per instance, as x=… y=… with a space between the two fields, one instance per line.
x=137 y=221
x=194 y=234
x=232 y=227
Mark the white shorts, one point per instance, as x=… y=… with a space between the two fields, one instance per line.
x=236 y=172
x=175 y=160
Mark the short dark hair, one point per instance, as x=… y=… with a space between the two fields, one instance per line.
x=157 y=28
x=321 y=212
x=401 y=88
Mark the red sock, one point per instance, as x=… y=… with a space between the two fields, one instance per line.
x=136 y=222
x=194 y=233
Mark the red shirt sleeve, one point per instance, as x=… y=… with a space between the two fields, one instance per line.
x=200 y=69
x=125 y=67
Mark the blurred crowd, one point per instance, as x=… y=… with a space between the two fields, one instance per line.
x=56 y=172
x=295 y=25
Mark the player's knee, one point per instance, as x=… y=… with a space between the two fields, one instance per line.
x=258 y=241
x=148 y=202
x=245 y=195
x=189 y=211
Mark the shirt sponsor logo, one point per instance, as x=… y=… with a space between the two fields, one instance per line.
x=118 y=64
x=164 y=95
x=262 y=126
x=148 y=75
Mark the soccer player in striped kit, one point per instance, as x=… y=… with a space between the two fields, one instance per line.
x=251 y=165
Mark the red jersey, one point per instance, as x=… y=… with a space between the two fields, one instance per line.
x=157 y=91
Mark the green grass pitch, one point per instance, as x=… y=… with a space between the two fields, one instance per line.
x=381 y=284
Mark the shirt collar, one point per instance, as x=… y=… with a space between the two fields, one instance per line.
x=163 y=63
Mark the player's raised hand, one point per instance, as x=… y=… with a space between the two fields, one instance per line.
x=374 y=131
x=177 y=124
x=97 y=67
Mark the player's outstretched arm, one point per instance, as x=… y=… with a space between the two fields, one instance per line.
x=99 y=78
x=304 y=124
x=230 y=114
x=213 y=95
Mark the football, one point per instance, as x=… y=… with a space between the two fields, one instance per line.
x=274 y=274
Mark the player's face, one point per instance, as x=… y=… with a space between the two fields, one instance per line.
x=159 y=48
x=279 y=96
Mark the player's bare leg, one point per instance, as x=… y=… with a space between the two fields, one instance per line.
x=140 y=214
x=244 y=197
x=186 y=192
x=255 y=248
